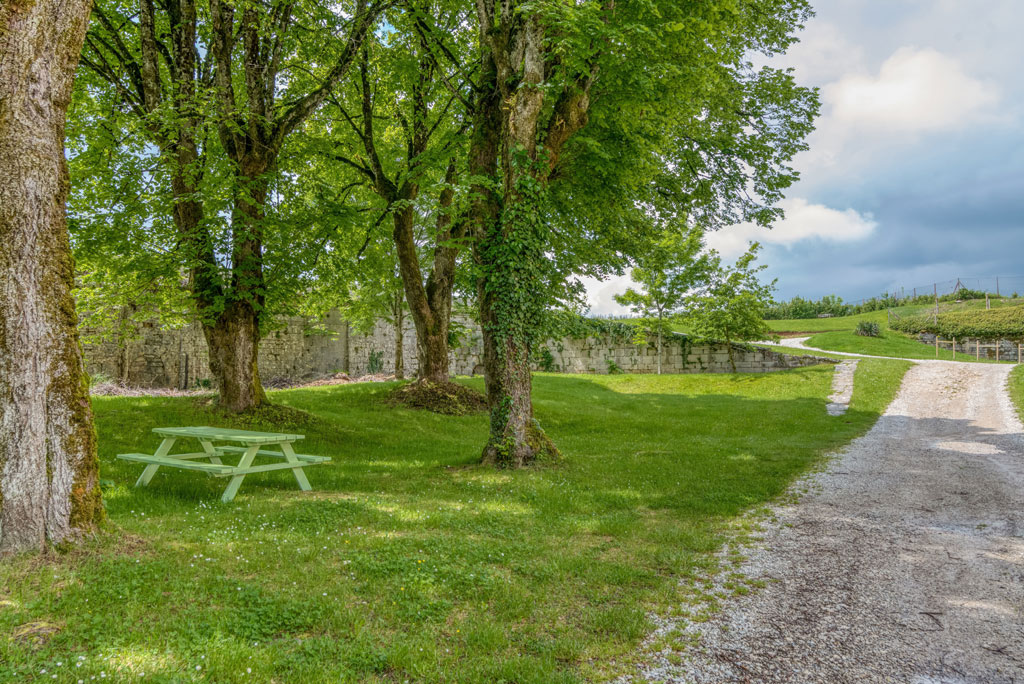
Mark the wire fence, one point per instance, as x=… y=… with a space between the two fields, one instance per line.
x=1005 y=286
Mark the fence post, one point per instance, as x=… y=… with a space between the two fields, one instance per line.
x=936 y=346
x=977 y=348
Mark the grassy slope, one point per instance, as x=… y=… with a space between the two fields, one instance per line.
x=812 y=325
x=409 y=561
x=889 y=343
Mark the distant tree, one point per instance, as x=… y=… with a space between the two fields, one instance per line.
x=49 y=489
x=732 y=307
x=668 y=275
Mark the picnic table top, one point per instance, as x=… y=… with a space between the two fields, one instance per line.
x=228 y=434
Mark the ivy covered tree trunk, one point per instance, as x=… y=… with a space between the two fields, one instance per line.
x=49 y=491
x=519 y=134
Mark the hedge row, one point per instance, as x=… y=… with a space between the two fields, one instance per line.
x=1003 y=323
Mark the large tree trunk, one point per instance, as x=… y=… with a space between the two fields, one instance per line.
x=430 y=306
x=234 y=343
x=517 y=127
x=49 y=491
x=515 y=438
x=234 y=335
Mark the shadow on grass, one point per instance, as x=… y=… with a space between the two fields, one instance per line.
x=409 y=561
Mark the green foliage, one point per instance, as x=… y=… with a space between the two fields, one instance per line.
x=732 y=306
x=561 y=323
x=613 y=368
x=798 y=307
x=375 y=362
x=670 y=274
x=546 y=360
x=991 y=324
x=868 y=329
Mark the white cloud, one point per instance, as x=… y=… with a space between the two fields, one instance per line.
x=915 y=91
x=601 y=294
x=803 y=221
x=822 y=55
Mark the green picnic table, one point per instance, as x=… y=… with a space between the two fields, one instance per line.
x=253 y=444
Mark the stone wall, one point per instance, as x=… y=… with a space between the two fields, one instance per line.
x=1003 y=350
x=301 y=348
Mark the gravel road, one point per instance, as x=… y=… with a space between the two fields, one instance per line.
x=905 y=563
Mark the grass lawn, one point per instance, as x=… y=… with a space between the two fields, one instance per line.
x=409 y=562
x=889 y=343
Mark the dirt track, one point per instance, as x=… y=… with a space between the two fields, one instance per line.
x=905 y=563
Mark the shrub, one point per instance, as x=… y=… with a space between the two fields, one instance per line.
x=375 y=364
x=989 y=324
x=613 y=368
x=868 y=329
x=547 y=361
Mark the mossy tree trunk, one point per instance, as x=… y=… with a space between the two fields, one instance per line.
x=49 y=490
x=520 y=130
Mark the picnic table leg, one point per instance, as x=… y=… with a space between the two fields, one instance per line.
x=208 y=448
x=236 y=481
x=300 y=475
x=150 y=470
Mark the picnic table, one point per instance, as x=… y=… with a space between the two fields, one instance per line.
x=248 y=443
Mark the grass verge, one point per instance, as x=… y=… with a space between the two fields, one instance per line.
x=1016 y=386
x=409 y=561
x=889 y=343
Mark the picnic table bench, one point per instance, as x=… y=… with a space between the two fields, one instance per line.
x=253 y=444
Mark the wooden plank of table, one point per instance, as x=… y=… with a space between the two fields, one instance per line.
x=228 y=434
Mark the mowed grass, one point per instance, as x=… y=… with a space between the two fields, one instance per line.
x=890 y=343
x=410 y=562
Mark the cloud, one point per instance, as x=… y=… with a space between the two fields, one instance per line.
x=822 y=55
x=601 y=294
x=915 y=91
x=803 y=221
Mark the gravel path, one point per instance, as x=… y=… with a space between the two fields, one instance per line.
x=904 y=564
x=842 y=387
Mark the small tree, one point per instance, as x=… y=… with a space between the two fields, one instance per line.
x=733 y=306
x=667 y=275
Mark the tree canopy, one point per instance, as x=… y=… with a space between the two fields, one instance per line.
x=237 y=160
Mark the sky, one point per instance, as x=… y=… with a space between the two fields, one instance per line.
x=915 y=172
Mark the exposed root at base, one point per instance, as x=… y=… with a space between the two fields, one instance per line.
x=535 y=450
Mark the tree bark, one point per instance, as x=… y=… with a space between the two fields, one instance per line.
x=398 y=312
x=515 y=439
x=49 y=491
x=234 y=344
x=515 y=127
